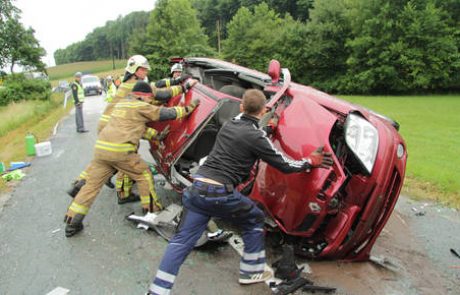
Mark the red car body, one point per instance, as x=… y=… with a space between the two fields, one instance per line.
x=334 y=213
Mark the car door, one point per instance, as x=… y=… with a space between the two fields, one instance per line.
x=182 y=131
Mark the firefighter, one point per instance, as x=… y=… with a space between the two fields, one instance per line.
x=116 y=150
x=136 y=69
x=78 y=97
x=111 y=89
x=239 y=144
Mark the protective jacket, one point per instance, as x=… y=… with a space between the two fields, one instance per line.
x=77 y=92
x=127 y=124
x=239 y=144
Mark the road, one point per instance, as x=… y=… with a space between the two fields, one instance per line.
x=111 y=256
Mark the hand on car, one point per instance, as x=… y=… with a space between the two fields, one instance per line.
x=163 y=133
x=320 y=159
x=189 y=109
x=190 y=83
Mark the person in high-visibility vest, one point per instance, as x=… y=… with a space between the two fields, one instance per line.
x=78 y=97
x=115 y=150
x=111 y=89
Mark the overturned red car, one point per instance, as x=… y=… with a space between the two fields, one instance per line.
x=334 y=213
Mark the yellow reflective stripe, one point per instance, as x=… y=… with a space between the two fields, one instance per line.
x=176 y=90
x=168 y=82
x=131 y=105
x=112 y=149
x=79 y=209
x=127 y=185
x=119 y=184
x=150 y=133
x=145 y=200
x=83 y=175
x=180 y=112
x=104 y=118
x=113 y=144
x=153 y=193
x=138 y=102
x=115 y=147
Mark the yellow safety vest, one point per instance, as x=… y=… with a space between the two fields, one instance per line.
x=80 y=92
x=111 y=91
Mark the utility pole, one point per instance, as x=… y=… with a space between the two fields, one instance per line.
x=218 y=35
x=113 y=57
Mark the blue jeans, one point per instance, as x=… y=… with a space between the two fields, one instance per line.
x=200 y=206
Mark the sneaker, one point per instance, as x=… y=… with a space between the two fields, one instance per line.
x=246 y=279
x=220 y=236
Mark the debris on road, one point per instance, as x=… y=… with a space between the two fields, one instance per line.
x=384 y=262
x=455 y=253
x=59 y=291
x=14 y=175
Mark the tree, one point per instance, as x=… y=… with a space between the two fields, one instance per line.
x=255 y=37
x=173 y=30
x=21 y=46
x=7 y=11
x=317 y=53
x=400 y=46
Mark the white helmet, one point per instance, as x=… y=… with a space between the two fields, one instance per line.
x=135 y=62
x=176 y=68
x=109 y=78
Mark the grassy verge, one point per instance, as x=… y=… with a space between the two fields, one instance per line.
x=36 y=117
x=430 y=126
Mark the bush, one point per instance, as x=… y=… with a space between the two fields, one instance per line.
x=16 y=88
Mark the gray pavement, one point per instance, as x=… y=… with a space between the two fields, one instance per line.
x=110 y=256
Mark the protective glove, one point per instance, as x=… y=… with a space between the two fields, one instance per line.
x=189 y=84
x=163 y=134
x=183 y=77
x=320 y=159
x=189 y=109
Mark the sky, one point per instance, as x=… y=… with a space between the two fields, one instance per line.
x=59 y=23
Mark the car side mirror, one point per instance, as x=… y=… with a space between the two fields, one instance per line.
x=274 y=70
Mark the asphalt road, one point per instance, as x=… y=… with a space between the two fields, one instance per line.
x=111 y=256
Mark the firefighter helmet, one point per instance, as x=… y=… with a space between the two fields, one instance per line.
x=136 y=61
x=176 y=68
x=78 y=74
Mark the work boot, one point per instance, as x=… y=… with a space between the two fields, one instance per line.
x=155 y=208
x=74 y=225
x=130 y=199
x=76 y=187
x=110 y=184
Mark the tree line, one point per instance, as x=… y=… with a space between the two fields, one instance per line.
x=340 y=46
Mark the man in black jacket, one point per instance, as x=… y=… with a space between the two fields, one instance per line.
x=239 y=144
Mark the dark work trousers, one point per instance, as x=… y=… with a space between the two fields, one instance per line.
x=79 y=117
x=203 y=201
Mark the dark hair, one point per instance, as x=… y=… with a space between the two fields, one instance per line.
x=253 y=101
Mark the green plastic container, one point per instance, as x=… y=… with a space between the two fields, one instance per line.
x=30 y=144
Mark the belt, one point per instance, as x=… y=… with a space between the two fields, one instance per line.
x=212 y=190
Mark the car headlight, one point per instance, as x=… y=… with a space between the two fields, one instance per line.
x=363 y=140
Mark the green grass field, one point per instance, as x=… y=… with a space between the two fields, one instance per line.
x=66 y=71
x=430 y=126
